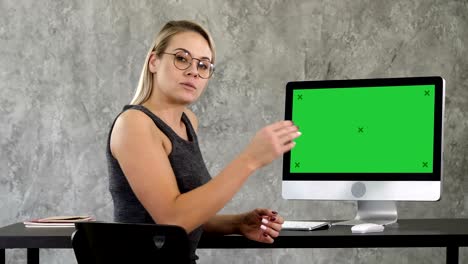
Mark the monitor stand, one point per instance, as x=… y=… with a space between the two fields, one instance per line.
x=378 y=212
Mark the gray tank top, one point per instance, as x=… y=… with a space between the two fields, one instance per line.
x=186 y=161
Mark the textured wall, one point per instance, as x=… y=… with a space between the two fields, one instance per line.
x=67 y=68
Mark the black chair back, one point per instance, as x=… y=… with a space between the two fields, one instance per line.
x=99 y=242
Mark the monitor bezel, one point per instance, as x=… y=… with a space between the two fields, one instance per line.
x=324 y=84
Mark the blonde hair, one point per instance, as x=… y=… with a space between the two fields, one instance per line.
x=160 y=43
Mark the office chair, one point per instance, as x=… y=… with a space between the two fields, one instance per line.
x=100 y=243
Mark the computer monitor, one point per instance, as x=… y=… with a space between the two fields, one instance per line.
x=374 y=141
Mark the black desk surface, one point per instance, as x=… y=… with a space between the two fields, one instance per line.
x=18 y=236
x=406 y=233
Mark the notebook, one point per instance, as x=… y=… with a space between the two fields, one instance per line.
x=58 y=221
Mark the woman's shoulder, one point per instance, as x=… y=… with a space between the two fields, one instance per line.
x=192 y=117
x=134 y=124
x=133 y=128
x=134 y=118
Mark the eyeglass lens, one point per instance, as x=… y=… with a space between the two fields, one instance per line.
x=183 y=60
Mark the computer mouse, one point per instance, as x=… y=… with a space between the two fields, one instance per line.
x=367 y=228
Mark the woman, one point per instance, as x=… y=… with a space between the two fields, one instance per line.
x=157 y=173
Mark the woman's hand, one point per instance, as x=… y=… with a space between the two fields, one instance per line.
x=271 y=142
x=262 y=225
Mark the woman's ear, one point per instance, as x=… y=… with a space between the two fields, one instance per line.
x=153 y=62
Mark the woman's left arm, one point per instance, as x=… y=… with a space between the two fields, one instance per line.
x=262 y=225
x=223 y=224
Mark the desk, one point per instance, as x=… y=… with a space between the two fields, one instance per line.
x=448 y=233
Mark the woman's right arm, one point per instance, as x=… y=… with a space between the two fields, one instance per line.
x=138 y=146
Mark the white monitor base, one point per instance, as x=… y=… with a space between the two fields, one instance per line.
x=377 y=212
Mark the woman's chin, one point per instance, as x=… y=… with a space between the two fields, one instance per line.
x=186 y=100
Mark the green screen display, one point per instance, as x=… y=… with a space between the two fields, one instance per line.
x=364 y=130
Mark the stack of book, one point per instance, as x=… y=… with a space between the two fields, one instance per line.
x=58 y=221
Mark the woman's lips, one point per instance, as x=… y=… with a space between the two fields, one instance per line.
x=191 y=85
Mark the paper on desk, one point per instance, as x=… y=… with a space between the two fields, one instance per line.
x=58 y=221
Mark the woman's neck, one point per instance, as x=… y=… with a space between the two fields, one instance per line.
x=169 y=113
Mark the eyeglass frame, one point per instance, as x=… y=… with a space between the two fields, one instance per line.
x=191 y=61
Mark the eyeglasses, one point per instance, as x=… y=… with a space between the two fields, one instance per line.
x=183 y=60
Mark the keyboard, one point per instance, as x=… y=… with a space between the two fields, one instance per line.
x=305 y=225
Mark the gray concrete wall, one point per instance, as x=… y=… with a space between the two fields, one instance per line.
x=67 y=68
